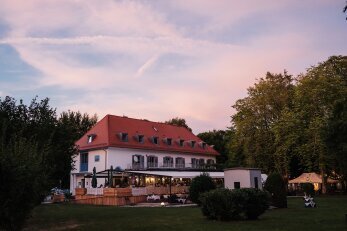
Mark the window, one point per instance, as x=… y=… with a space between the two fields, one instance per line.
x=168 y=162
x=237 y=185
x=83 y=162
x=96 y=158
x=138 y=162
x=124 y=136
x=192 y=143
x=180 y=162
x=141 y=138
x=210 y=161
x=155 y=140
x=256 y=182
x=203 y=145
x=195 y=163
x=90 y=138
x=152 y=162
x=181 y=142
x=168 y=141
x=201 y=163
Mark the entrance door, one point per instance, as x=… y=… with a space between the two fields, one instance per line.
x=83 y=183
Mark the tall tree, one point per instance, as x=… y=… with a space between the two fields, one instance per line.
x=36 y=151
x=180 y=122
x=22 y=178
x=336 y=138
x=317 y=95
x=255 y=119
x=69 y=128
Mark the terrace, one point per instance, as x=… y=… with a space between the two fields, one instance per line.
x=131 y=187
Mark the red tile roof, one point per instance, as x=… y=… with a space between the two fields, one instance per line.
x=107 y=134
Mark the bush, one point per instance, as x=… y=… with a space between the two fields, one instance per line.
x=257 y=202
x=308 y=188
x=277 y=188
x=225 y=204
x=200 y=184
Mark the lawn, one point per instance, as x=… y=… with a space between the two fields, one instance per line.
x=330 y=215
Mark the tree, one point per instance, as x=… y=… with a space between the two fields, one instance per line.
x=36 y=151
x=180 y=122
x=318 y=94
x=23 y=169
x=199 y=185
x=276 y=185
x=70 y=126
x=255 y=120
x=220 y=140
x=336 y=138
x=22 y=181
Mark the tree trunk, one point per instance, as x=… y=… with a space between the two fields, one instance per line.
x=324 y=181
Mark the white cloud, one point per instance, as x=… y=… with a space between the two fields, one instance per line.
x=137 y=41
x=146 y=65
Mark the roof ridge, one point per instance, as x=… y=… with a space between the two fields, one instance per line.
x=146 y=120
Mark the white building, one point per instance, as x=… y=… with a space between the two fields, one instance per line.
x=139 y=145
x=242 y=178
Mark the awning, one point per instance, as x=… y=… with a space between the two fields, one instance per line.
x=178 y=174
x=310 y=177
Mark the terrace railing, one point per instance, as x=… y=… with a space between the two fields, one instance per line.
x=139 y=191
x=95 y=191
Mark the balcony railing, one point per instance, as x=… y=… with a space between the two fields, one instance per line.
x=84 y=167
x=137 y=166
x=161 y=165
x=152 y=164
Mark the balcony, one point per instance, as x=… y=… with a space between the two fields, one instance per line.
x=84 y=167
x=161 y=165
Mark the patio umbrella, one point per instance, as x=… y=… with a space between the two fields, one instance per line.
x=94 y=180
x=110 y=180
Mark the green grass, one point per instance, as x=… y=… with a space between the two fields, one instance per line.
x=330 y=215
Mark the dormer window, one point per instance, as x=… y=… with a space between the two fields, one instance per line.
x=192 y=143
x=123 y=136
x=168 y=141
x=155 y=140
x=90 y=138
x=203 y=145
x=181 y=142
x=141 y=138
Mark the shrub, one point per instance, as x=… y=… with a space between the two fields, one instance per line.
x=225 y=204
x=277 y=188
x=257 y=202
x=308 y=188
x=220 y=204
x=200 y=184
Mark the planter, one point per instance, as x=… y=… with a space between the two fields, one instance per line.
x=58 y=198
x=80 y=191
x=117 y=192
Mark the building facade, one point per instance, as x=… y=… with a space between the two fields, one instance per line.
x=138 y=145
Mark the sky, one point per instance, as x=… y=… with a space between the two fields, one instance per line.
x=155 y=59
